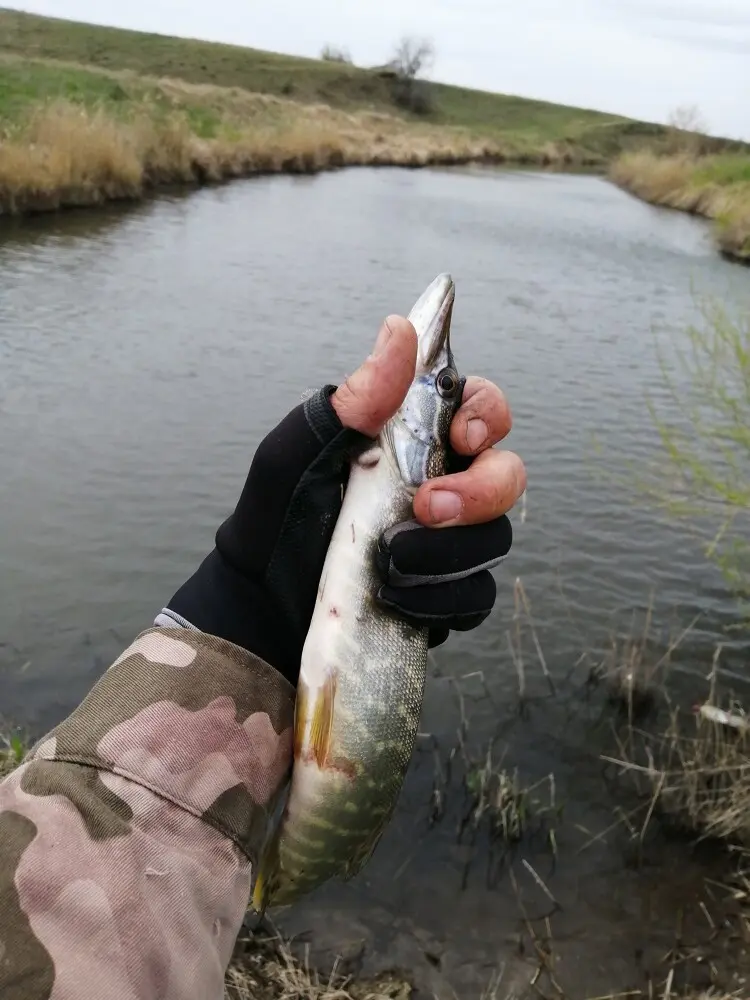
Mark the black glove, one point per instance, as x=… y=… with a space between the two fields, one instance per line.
x=258 y=587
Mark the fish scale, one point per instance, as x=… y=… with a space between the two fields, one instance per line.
x=363 y=669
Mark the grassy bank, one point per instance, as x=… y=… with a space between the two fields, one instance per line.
x=73 y=136
x=717 y=187
x=89 y=114
x=306 y=81
x=65 y=155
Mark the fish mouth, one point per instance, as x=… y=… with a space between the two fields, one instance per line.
x=431 y=317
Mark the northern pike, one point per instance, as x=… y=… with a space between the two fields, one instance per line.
x=363 y=669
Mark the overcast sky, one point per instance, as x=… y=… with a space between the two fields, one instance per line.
x=636 y=57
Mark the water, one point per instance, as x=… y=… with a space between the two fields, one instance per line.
x=144 y=352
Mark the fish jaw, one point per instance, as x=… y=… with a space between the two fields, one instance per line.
x=431 y=317
x=416 y=437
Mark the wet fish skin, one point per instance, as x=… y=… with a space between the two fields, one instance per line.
x=363 y=669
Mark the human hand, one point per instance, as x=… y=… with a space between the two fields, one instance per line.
x=258 y=587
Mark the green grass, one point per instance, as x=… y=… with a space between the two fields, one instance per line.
x=724 y=170
x=159 y=110
x=26 y=84
x=304 y=80
x=12 y=750
x=88 y=63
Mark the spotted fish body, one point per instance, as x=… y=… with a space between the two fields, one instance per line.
x=363 y=669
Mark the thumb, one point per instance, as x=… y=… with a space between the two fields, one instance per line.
x=370 y=397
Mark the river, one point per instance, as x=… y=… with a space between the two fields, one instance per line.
x=143 y=353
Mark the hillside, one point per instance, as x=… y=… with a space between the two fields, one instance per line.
x=306 y=81
x=90 y=114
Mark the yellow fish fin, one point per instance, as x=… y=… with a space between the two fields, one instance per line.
x=321 y=723
x=300 y=717
x=259 y=894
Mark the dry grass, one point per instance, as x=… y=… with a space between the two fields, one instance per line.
x=717 y=187
x=66 y=155
x=733 y=233
x=636 y=667
x=266 y=969
x=631 y=676
x=70 y=156
x=71 y=134
x=696 y=772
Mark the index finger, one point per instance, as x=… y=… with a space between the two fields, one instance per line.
x=490 y=487
x=483 y=419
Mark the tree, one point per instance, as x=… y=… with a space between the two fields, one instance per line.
x=334 y=53
x=687 y=118
x=687 y=128
x=412 y=58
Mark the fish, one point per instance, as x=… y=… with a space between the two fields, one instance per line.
x=363 y=669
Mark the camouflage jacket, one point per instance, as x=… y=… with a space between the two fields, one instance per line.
x=127 y=834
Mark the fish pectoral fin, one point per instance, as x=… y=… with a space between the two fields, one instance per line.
x=259 y=895
x=300 y=717
x=321 y=723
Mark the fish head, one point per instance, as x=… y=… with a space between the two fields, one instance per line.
x=417 y=436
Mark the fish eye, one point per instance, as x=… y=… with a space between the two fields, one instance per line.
x=447 y=382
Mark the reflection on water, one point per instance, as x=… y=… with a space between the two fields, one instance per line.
x=143 y=353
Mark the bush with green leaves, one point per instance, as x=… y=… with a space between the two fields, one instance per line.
x=704 y=426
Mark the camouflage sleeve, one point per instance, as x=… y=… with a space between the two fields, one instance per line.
x=127 y=834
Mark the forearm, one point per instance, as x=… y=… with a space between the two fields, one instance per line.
x=127 y=835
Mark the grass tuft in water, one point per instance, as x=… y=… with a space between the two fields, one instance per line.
x=695 y=772
x=12 y=751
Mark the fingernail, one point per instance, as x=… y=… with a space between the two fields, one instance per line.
x=383 y=337
x=476 y=434
x=444 y=506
